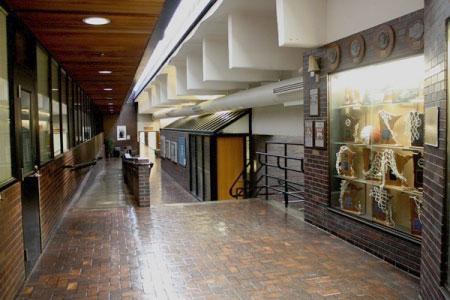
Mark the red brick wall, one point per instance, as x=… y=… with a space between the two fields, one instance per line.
x=12 y=267
x=400 y=251
x=57 y=184
x=434 y=234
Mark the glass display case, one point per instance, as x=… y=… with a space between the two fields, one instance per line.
x=377 y=133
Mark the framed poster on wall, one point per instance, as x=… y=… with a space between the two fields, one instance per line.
x=319 y=134
x=182 y=151
x=162 y=146
x=121 y=133
x=173 y=151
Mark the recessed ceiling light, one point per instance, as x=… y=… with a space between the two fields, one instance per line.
x=96 y=21
x=55 y=90
x=105 y=72
x=110 y=103
x=107 y=89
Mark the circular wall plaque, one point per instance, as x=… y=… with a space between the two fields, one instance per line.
x=333 y=57
x=415 y=33
x=357 y=48
x=384 y=41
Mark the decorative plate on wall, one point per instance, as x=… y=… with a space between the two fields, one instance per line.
x=384 y=41
x=414 y=34
x=333 y=56
x=357 y=48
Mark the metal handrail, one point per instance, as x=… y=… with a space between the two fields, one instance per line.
x=81 y=165
x=286 y=158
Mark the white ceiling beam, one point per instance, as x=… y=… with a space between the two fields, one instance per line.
x=216 y=65
x=253 y=44
x=301 y=23
x=194 y=73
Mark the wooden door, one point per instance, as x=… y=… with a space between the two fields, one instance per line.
x=230 y=163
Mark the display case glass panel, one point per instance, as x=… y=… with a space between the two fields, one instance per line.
x=377 y=132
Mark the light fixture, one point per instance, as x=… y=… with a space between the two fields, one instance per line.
x=107 y=89
x=55 y=90
x=105 y=72
x=96 y=21
x=110 y=103
x=313 y=67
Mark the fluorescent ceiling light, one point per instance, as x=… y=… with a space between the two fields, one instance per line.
x=107 y=89
x=105 y=72
x=96 y=21
x=110 y=103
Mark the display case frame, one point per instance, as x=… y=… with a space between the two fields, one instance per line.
x=354 y=212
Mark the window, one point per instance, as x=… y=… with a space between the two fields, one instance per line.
x=45 y=151
x=5 y=130
x=56 y=109
x=377 y=136
x=70 y=112
x=64 y=112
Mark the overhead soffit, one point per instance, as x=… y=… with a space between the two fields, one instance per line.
x=83 y=49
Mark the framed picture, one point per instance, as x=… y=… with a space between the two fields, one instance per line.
x=162 y=146
x=319 y=134
x=121 y=133
x=182 y=151
x=314 y=102
x=173 y=151
x=309 y=133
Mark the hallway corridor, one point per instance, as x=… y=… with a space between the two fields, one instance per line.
x=108 y=249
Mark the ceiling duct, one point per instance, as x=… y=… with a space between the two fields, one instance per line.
x=286 y=92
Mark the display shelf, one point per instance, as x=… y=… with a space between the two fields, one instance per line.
x=402 y=189
x=374 y=105
x=382 y=146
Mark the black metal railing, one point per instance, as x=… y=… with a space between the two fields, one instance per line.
x=292 y=191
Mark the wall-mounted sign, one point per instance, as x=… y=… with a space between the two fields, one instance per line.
x=182 y=151
x=309 y=133
x=432 y=126
x=121 y=133
x=314 y=102
x=319 y=134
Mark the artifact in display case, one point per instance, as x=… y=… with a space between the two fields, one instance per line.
x=387 y=123
x=415 y=127
x=384 y=167
x=376 y=138
x=348 y=197
x=383 y=200
x=344 y=161
x=416 y=213
x=350 y=128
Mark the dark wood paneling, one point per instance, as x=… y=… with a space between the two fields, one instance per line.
x=83 y=50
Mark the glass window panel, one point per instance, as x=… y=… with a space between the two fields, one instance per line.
x=27 y=133
x=45 y=150
x=70 y=111
x=56 y=112
x=377 y=131
x=5 y=130
x=75 y=110
x=64 y=112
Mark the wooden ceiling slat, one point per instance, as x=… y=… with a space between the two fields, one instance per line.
x=83 y=50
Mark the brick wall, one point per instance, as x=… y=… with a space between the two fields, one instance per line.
x=136 y=173
x=12 y=267
x=399 y=251
x=179 y=173
x=434 y=235
x=58 y=184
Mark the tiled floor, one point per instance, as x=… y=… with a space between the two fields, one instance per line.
x=221 y=250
